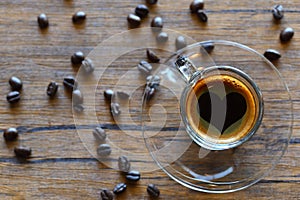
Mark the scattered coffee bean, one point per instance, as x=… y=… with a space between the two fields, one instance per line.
x=106 y=194
x=104 y=150
x=133 y=175
x=77 y=58
x=22 y=152
x=123 y=95
x=115 y=109
x=134 y=20
x=99 y=134
x=119 y=188
x=124 y=164
x=88 y=65
x=151 y=1
x=162 y=37
x=272 y=54
x=52 y=89
x=153 y=81
x=141 y=11
x=77 y=97
x=43 y=21
x=108 y=94
x=278 y=12
x=202 y=15
x=286 y=34
x=78 y=108
x=196 y=5
x=13 y=97
x=10 y=134
x=208 y=47
x=144 y=67
x=15 y=83
x=157 y=24
x=70 y=83
x=180 y=42
x=79 y=17
x=149 y=92
x=153 y=190
x=152 y=57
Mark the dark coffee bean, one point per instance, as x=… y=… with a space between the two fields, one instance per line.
x=70 y=83
x=272 y=54
x=88 y=65
x=10 y=134
x=115 y=109
x=196 y=5
x=133 y=175
x=79 y=17
x=77 y=97
x=157 y=24
x=104 y=150
x=153 y=190
x=106 y=194
x=77 y=58
x=144 y=67
x=43 y=21
x=286 y=34
x=162 y=37
x=13 y=97
x=134 y=20
x=151 y=1
x=278 y=12
x=153 y=81
x=123 y=95
x=141 y=11
x=180 y=42
x=152 y=57
x=108 y=94
x=149 y=92
x=119 y=188
x=99 y=134
x=124 y=164
x=22 y=152
x=208 y=47
x=52 y=89
x=15 y=83
x=78 y=108
x=202 y=15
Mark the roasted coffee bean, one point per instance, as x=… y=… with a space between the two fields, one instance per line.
x=151 y=1
x=106 y=194
x=13 y=97
x=196 y=5
x=10 y=134
x=43 y=21
x=123 y=95
x=104 y=150
x=162 y=37
x=119 y=188
x=115 y=109
x=145 y=67
x=180 y=42
x=272 y=54
x=124 y=164
x=286 y=34
x=157 y=24
x=79 y=17
x=278 y=12
x=77 y=97
x=22 y=152
x=149 y=92
x=99 y=134
x=77 y=58
x=52 y=89
x=152 y=57
x=153 y=190
x=208 y=47
x=134 y=20
x=153 y=81
x=202 y=15
x=141 y=11
x=88 y=65
x=133 y=175
x=70 y=83
x=78 y=108
x=108 y=94
x=15 y=83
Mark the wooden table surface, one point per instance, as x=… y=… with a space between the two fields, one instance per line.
x=61 y=167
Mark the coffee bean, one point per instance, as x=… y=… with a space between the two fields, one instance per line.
x=43 y=21
x=22 y=152
x=104 y=150
x=151 y=1
x=145 y=67
x=77 y=58
x=70 y=83
x=123 y=95
x=133 y=175
x=108 y=94
x=106 y=194
x=13 y=97
x=77 y=97
x=149 y=92
x=52 y=89
x=10 y=134
x=278 y=12
x=134 y=20
x=153 y=81
x=79 y=17
x=202 y=15
x=286 y=34
x=153 y=190
x=162 y=37
x=124 y=164
x=196 y=5
x=119 y=188
x=78 y=108
x=152 y=57
x=99 y=134
x=180 y=42
x=88 y=65
x=208 y=47
x=15 y=83
x=141 y=11
x=157 y=24
x=115 y=109
x=272 y=54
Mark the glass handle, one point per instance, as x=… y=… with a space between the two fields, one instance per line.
x=185 y=67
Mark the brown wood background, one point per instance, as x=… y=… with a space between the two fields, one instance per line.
x=61 y=167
